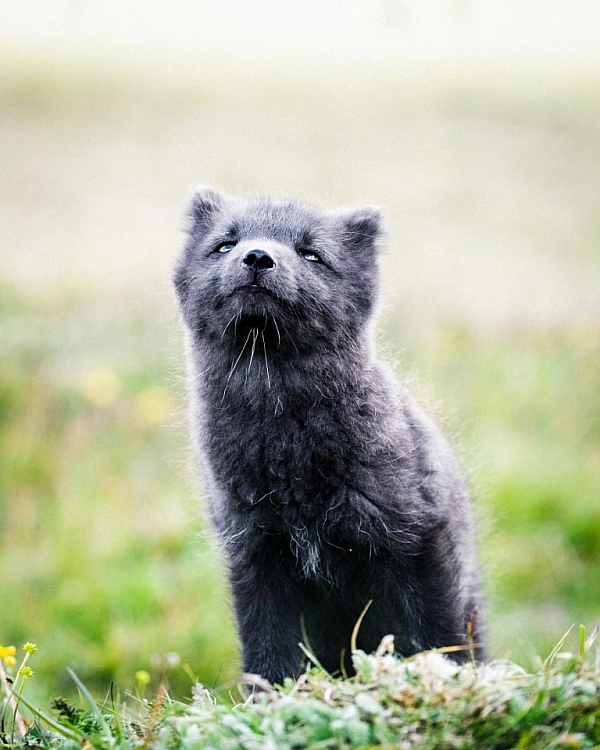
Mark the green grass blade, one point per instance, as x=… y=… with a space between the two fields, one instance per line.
x=548 y=662
x=91 y=702
x=312 y=658
x=582 y=648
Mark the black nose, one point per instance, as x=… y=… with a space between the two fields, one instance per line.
x=258 y=261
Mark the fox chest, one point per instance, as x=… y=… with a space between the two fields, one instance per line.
x=272 y=452
x=284 y=477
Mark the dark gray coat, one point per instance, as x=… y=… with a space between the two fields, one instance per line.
x=327 y=484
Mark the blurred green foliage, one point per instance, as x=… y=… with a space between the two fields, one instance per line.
x=105 y=560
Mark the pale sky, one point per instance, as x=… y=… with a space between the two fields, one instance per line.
x=548 y=29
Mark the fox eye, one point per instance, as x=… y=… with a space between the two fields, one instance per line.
x=224 y=247
x=309 y=255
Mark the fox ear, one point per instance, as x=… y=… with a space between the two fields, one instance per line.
x=205 y=204
x=360 y=227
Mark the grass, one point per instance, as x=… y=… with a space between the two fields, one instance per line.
x=422 y=702
x=489 y=182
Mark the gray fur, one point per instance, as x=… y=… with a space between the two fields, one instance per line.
x=327 y=484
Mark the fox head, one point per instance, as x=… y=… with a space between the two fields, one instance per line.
x=305 y=277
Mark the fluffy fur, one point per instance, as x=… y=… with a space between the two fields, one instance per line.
x=327 y=484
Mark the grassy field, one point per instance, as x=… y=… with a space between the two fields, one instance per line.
x=490 y=182
x=423 y=702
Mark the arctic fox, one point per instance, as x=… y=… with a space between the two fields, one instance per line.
x=328 y=486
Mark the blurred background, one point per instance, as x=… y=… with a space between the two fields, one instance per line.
x=474 y=123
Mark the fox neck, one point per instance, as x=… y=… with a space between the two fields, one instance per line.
x=261 y=370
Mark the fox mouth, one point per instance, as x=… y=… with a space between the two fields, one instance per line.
x=254 y=297
x=253 y=289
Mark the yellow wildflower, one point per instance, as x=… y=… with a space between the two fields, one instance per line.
x=7 y=651
x=101 y=387
x=26 y=672
x=142 y=677
x=10 y=661
x=30 y=648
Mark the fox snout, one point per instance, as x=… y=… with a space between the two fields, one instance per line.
x=258 y=261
